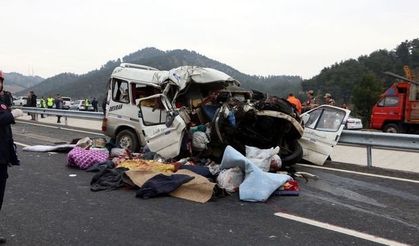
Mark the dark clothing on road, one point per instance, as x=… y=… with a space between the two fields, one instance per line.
x=161 y=184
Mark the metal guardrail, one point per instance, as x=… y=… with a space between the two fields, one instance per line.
x=360 y=138
x=380 y=139
x=63 y=113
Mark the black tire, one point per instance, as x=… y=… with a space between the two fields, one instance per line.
x=392 y=128
x=295 y=156
x=127 y=139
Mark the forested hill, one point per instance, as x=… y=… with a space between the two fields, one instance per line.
x=359 y=82
x=94 y=82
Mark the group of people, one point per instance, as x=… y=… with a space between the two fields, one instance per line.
x=310 y=102
x=45 y=102
x=57 y=101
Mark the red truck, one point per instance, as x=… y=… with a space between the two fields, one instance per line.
x=397 y=110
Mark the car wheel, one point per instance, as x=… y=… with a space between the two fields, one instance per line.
x=127 y=139
x=293 y=155
x=392 y=128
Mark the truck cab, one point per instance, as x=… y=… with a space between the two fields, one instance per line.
x=397 y=110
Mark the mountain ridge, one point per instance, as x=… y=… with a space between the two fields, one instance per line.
x=17 y=82
x=93 y=83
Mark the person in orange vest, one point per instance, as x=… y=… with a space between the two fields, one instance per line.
x=295 y=101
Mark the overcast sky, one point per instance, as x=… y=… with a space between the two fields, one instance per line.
x=263 y=37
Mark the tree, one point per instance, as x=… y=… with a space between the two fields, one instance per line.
x=364 y=95
x=403 y=52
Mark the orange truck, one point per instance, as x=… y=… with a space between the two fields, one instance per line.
x=397 y=110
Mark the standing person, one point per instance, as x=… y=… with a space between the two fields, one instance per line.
x=295 y=101
x=94 y=104
x=328 y=99
x=43 y=105
x=58 y=105
x=50 y=102
x=104 y=102
x=7 y=147
x=86 y=103
x=310 y=102
x=32 y=103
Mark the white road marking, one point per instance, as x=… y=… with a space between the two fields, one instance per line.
x=359 y=173
x=339 y=229
x=62 y=128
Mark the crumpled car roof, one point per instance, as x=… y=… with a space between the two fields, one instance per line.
x=186 y=74
x=181 y=76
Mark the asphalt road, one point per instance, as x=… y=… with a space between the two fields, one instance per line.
x=46 y=204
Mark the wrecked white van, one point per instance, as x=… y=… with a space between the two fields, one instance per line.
x=161 y=109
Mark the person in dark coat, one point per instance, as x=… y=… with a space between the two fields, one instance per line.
x=7 y=147
x=94 y=104
x=31 y=102
x=58 y=105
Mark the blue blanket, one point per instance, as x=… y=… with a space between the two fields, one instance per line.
x=257 y=185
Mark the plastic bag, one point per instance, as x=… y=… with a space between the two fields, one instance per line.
x=264 y=158
x=230 y=179
x=199 y=141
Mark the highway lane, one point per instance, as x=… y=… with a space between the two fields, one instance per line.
x=46 y=204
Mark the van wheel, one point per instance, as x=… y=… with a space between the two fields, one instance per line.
x=295 y=156
x=392 y=128
x=127 y=139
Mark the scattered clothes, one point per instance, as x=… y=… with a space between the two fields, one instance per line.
x=201 y=170
x=85 y=158
x=149 y=155
x=230 y=179
x=200 y=128
x=214 y=168
x=290 y=188
x=62 y=148
x=162 y=185
x=199 y=189
x=108 y=179
x=115 y=152
x=257 y=185
x=100 y=166
x=146 y=165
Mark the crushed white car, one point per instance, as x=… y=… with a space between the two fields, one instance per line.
x=163 y=110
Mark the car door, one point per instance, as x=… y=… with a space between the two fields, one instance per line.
x=161 y=125
x=323 y=127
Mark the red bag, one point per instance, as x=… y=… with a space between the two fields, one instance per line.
x=290 y=188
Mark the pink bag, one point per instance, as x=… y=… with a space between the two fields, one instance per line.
x=85 y=158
